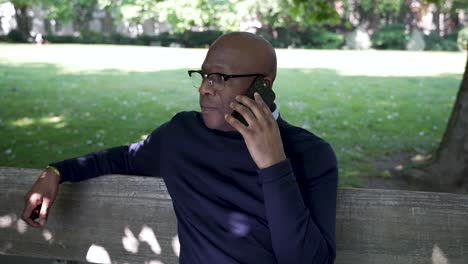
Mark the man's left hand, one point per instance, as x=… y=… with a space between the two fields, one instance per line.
x=262 y=136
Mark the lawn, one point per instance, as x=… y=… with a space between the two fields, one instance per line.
x=60 y=101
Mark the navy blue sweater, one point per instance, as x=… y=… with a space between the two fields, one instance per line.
x=228 y=210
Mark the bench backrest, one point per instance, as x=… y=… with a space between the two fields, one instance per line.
x=120 y=219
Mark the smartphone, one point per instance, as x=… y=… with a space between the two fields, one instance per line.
x=260 y=86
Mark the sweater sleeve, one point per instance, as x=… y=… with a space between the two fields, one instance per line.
x=141 y=158
x=302 y=224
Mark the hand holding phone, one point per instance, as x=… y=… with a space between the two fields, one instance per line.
x=260 y=86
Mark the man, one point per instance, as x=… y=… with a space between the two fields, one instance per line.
x=262 y=193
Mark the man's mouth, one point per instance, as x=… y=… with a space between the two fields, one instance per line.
x=206 y=109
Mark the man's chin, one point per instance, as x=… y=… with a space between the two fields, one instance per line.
x=216 y=121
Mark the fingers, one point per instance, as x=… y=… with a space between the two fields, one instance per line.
x=263 y=106
x=46 y=202
x=236 y=124
x=31 y=202
x=255 y=105
x=244 y=112
x=252 y=110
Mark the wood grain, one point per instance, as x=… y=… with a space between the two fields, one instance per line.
x=117 y=215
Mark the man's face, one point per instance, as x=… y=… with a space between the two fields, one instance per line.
x=215 y=102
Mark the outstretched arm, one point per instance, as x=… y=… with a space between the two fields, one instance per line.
x=140 y=158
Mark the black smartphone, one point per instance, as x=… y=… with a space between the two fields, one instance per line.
x=260 y=86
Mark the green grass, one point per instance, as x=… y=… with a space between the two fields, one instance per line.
x=61 y=101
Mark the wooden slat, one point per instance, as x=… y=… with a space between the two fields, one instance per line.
x=110 y=212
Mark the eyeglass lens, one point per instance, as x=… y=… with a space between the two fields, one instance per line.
x=215 y=80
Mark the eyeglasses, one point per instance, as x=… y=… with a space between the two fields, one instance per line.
x=215 y=79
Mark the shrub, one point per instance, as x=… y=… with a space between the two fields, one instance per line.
x=317 y=38
x=435 y=42
x=121 y=39
x=320 y=38
x=166 y=38
x=17 y=36
x=147 y=40
x=62 y=39
x=4 y=38
x=194 y=39
x=93 y=37
x=390 y=37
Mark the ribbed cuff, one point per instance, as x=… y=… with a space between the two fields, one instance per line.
x=275 y=172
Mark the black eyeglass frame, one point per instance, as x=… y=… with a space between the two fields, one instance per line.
x=225 y=77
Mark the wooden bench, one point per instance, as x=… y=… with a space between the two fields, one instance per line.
x=122 y=219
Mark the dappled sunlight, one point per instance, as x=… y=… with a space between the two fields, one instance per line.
x=47 y=235
x=438 y=256
x=129 y=241
x=176 y=245
x=78 y=58
x=5 y=248
x=21 y=226
x=238 y=224
x=7 y=220
x=11 y=220
x=147 y=235
x=56 y=121
x=153 y=262
x=51 y=119
x=92 y=58
x=420 y=158
x=23 y=122
x=374 y=63
x=14 y=222
x=98 y=254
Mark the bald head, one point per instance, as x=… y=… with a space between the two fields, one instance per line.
x=243 y=53
x=237 y=53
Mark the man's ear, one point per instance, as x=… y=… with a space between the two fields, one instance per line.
x=268 y=81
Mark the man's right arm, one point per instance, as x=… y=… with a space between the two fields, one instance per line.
x=117 y=160
x=141 y=158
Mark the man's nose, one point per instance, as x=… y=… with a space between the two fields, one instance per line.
x=206 y=88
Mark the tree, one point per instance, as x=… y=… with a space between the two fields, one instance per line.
x=448 y=170
x=21 y=15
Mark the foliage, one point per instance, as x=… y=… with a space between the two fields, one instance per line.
x=61 y=39
x=287 y=23
x=320 y=38
x=17 y=36
x=200 y=39
x=462 y=39
x=390 y=37
x=435 y=42
x=190 y=39
x=311 y=12
x=313 y=37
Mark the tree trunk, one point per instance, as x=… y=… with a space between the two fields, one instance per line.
x=22 y=20
x=108 y=22
x=437 y=19
x=449 y=169
x=374 y=18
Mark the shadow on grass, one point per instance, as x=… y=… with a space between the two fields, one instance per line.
x=48 y=114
